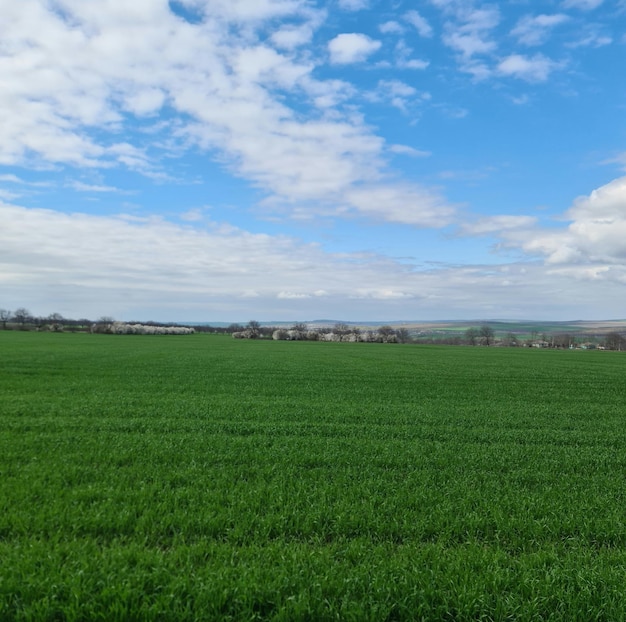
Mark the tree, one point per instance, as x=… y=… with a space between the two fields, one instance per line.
x=341 y=328
x=562 y=340
x=300 y=328
x=102 y=324
x=5 y=316
x=254 y=327
x=56 y=321
x=486 y=335
x=614 y=341
x=403 y=335
x=386 y=331
x=471 y=336
x=21 y=316
x=511 y=340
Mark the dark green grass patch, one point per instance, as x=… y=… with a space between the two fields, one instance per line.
x=184 y=478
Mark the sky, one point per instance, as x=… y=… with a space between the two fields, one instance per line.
x=356 y=160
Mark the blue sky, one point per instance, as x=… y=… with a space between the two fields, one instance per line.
x=227 y=160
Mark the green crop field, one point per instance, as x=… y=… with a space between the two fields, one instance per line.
x=205 y=478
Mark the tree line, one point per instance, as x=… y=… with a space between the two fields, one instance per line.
x=22 y=319
x=484 y=335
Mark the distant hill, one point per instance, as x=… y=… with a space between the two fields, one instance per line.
x=580 y=327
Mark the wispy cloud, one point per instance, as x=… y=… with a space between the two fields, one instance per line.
x=498 y=224
x=409 y=151
x=471 y=33
x=403 y=60
x=12 y=179
x=584 y=5
x=83 y=187
x=619 y=159
x=531 y=69
x=420 y=24
x=353 y=5
x=399 y=94
x=591 y=35
x=535 y=29
x=391 y=27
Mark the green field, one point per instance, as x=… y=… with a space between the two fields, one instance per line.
x=205 y=478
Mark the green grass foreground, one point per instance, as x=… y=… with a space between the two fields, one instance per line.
x=204 y=478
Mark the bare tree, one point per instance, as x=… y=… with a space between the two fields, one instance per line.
x=471 y=336
x=562 y=340
x=511 y=340
x=56 y=321
x=22 y=316
x=615 y=341
x=403 y=335
x=5 y=316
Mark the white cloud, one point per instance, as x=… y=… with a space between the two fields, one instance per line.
x=409 y=151
x=535 y=30
x=145 y=102
x=399 y=94
x=131 y=263
x=396 y=88
x=469 y=44
x=521 y=100
x=497 y=224
x=391 y=27
x=195 y=214
x=83 y=265
x=290 y=37
x=292 y=295
x=478 y=70
x=407 y=204
x=73 y=94
x=329 y=93
x=531 y=69
x=595 y=237
x=82 y=187
x=351 y=47
x=584 y=5
x=590 y=36
x=471 y=34
x=7 y=195
x=419 y=23
x=10 y=178
x=248 y=10
x=620 y=159
x=353 y=5
x=413 y=63
x=403 y=58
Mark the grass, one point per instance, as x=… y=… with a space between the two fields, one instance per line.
x=199 y=477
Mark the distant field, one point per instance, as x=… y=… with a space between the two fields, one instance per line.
x=201 y=477
x=523 y=330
